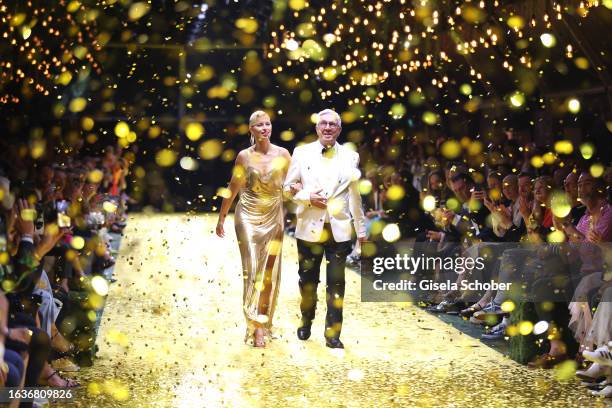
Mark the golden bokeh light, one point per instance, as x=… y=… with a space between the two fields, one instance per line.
x=210 y=149
x=391 y=232
x=194 y=131
x=165 y=157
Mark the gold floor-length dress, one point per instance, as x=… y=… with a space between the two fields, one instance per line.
x=259 y=228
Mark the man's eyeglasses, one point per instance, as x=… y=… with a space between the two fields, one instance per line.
x=332 y=125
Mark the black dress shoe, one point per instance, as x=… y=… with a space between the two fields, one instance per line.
x=303 y=332
x=334 y=343
x=455 y=308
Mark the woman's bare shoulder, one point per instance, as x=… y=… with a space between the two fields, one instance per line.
x=281 y=151
x=242 y=156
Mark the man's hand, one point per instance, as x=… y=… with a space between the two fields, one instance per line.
x=295 y=187
x=434 y=235
x=318 y=200
x=372 y=214
x=447 y=217
x=22 y=334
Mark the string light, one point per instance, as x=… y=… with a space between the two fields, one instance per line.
x=403 y=53
x=40 y=57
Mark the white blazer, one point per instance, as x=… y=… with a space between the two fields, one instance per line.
x=338 y=177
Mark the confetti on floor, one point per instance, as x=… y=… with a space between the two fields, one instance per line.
x=172 y=336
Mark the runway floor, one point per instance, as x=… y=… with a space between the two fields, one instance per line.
x=172 y=336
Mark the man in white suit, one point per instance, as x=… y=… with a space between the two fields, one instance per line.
x=329 y=198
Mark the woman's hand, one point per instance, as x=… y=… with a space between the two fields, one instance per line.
x=52 y=234
x=26 y=215
x=594 y=237
x=559 y=222
x=220 y=231
x=489 y=204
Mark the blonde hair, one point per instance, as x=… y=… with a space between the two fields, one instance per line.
x=256 y=115
x=253 y=118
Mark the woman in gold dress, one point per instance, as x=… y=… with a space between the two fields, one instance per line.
x=258 y=176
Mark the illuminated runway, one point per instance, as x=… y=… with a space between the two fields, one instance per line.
x=173 y=330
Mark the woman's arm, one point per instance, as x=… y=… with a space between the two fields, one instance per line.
x=237 y=181
x=294 y=187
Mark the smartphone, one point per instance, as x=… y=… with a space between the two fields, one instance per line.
x=63 y=221
x=62 y=206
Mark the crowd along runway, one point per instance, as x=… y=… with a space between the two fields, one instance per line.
x=172 y=336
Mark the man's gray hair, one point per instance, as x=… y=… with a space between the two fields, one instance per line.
x=329 y=111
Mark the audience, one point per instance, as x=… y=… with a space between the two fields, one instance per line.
x=55 y=220
x=513 y=213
